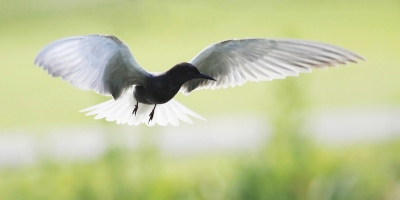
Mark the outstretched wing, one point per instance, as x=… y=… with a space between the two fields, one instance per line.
x=101 y=63
x=234 y=62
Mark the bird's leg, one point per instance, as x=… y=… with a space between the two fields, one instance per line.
x=136 y=107
x=152 y=113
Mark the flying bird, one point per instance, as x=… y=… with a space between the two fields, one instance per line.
x=104 y=64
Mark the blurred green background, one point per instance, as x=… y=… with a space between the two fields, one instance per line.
x=289 y=165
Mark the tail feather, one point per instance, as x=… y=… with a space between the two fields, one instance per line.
x=179 y=114
x=120 y=111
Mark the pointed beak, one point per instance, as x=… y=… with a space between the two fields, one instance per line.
x=205 y=77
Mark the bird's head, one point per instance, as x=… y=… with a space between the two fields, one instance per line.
x=185 y=71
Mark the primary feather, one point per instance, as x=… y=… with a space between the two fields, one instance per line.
x=95 y=62
x=234 y=62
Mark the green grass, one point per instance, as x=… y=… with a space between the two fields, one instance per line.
x=305 y=172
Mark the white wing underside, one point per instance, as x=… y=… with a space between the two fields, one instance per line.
x=120 y=111
x=234 y=62
x=101 y=63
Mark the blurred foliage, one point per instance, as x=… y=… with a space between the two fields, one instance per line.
x=314 y=173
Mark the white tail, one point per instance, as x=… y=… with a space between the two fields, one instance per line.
x=120 y=110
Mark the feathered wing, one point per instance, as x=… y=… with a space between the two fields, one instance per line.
x=234 y=62
x=101 y=63
x=120 y=110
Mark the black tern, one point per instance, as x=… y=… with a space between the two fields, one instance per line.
x=104 y=64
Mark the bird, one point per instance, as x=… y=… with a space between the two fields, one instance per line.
x=105 y=64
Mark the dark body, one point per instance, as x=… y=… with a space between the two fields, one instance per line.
x=159 y=89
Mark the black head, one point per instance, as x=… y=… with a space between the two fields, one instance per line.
x=185 y=71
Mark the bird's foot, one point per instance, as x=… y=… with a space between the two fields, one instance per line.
x=152 y=114
x=136 y=108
